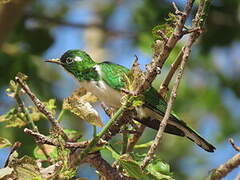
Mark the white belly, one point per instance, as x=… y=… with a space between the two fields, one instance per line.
x=104 y=92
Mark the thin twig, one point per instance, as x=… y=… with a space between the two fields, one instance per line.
x=177 y=12
x=115 y=128
x=231 y=141
x=42 y=108
x=133 y=141
x=29 y=120
x=162 y=35
x=23 y=109
x=14 y=148
x=191 y=30
x=164 y=86
x=225 y=168
x=41 y=139
x=163 y=123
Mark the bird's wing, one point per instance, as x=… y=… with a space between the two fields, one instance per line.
x=113 y=74
x=175 y=126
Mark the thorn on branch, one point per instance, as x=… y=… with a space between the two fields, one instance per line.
x=231 y=141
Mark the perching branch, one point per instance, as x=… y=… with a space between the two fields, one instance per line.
x=225 y=168
x=41 y=139
x=163 y=123
x=228 y=166
x=197 y=22
x=42 y=108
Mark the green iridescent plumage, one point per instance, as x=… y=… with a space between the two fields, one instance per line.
x=113 y=74
x=105 y=81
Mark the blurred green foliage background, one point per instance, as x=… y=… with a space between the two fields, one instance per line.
x=115 y=30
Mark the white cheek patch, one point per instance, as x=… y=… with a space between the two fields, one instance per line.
x=78 y=59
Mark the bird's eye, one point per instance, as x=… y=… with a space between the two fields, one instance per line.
x=69 y=60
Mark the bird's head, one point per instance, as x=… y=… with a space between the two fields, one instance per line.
x=74 y=61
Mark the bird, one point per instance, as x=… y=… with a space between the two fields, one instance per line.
x=105 y=80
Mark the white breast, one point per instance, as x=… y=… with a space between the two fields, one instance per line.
x=104 y=92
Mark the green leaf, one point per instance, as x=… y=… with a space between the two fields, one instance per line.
x=132 y=167
x=131 y=164
x=159 y=169
x=115 y=154
x=4 y=143
x=5 y=172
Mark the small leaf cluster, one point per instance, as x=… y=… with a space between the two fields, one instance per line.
x=130 y=163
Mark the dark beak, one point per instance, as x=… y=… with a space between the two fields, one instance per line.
x=56 y=61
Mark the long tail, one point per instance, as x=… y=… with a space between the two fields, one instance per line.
x=179 y=128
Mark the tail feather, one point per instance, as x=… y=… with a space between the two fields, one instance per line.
x=179 y=128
